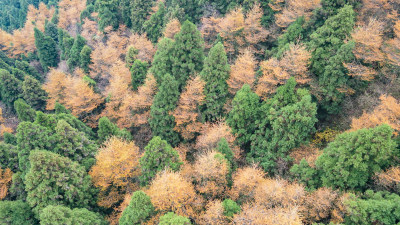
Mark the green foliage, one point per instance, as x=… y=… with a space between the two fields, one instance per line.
x=215 y=73
x=161 y=122
x=191 y=9
x=76 y=123
x=230 y=207
x=353 y=157
x=47 y=50
x=44 y=186
x=59 y=108
x=61 y=215
x=287 y=120
x=24 y=111
x=306 y=175
x=28 y=69
x=31 y=136
x=173 y=219
x=138 y=73
x=84 y=58
x=8 y=156
x=162 y=62
x=140 y=10
x=10 y=88
x=16 y=213
x=223 y=147
x=243 y=115
x=373 y=208
x=329 y=53
x=74 y=144
x=51 y=30
x=155 y=25
x=130 y=56
x=107 y=129
x=9 y=138
x=33 y=93
x=138 y=211
x=158 y=155
x=108 y=13
x=75 y=52
x=187 y=54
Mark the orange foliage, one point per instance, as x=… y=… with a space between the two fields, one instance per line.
x=245 y=182
x=186 y=113
x=214 y=214
x=22 y=40
x=117 y=164
x=144 y=46
x=308 y=152
x=211 y=134
x=279 y=193
x=387 y=112
x=358 y=70
x=294 y=9
x=385 y=10
x=55 y=87
x=238 y=31
x=169 y=191
x=318 y=205
x=210 y=172
x=172 y=28
x=392 y=46
x=3 y=127
x=90 y=31
x=294 y=62
x=258 y=215
x=389 y=179
x=113 y=219
x=242 y=72
x=5 y=182
x=69 y=13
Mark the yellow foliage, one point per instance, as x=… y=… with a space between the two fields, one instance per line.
x=5 y=182
x=245 y=182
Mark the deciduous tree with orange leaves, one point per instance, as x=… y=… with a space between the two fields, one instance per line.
x=245 y=182
x=292 y=10
x=69 y=13
x=5 y=181
x=116 y=170
x=169 y=191
x=186 y=114
x=242 y=72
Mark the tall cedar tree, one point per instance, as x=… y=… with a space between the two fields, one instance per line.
x=10 y=88
x=131 y=56
x=188 y=53
x=108 y=13
x=173 y=219
x=155 y=25
x=33 y=93
x=215 y=73
x=243 y=115
x=138 y=73
x=286 y=121
x=47 y=168
x=75 y=52
x=329 y=53
x=162 y=62
x=158 y=156
x=24 y=66
x=354 y=157
x=24 y=111
x=85 y=59
x=138 y=211
x=16 y=213
x=162 y=123
x=47 y=50
x=140 y=10
x=61 y=215
x=192 y=9
x=51 y=30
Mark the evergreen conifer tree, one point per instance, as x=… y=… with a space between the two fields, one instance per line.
x=138 y=211
x=24 y=111
x=140 y=10
x=107 y=129
x=10 y=88
x=158 y=155
x=138 y=73
x=155 y=25
x=47 y=50
x=162 y=62
x=84 y=58
x=215 y=73
x=33 y=93
x=188 y=53
x=162 y=123
x=75 y=52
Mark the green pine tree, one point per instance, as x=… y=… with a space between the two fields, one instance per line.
x=161 y=122
x=8 y=156
x=215 y=73
x=24 y=111
x=138 y=211
x=51 y=30
x=47 y=50
x=162 y=62
x=286 y=121
x=108 y=13
x=155 y=25
x=131 y=56
x=173 y=219
x=107 y=129
x=158 y=155
x=188 y=53
x=16 y=213
x=74 y=55
x=47 y=168
x=10 y=88
x=85 y=59
x=354 y=157
x=242 y=118
x=33 y=93
x=140 y=10
x=61 y=215
x=138 y=73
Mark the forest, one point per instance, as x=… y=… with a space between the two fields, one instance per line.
x=178 y=112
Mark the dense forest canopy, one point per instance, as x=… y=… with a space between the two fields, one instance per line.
x=199 y=112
